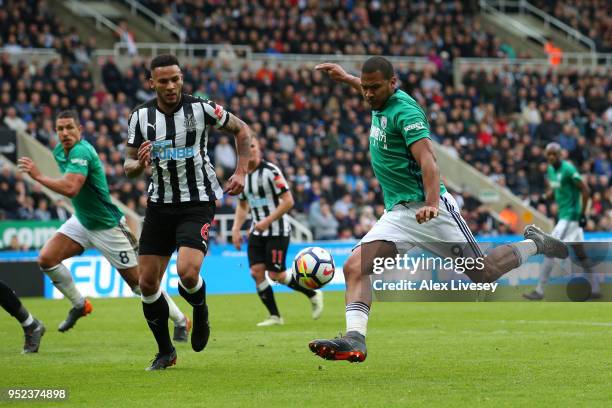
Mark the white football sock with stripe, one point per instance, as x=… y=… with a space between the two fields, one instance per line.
x=357 y=314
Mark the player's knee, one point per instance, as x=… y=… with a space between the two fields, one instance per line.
x=148 y=286
x=351 y=269
x=46 y=260
x=275 y=276
x=189 y=272
x=258 y=274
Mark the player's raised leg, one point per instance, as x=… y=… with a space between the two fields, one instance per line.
x=315 y=296
x=155 y=308
x=33 y=329
x=61 y=246
x=275 y=258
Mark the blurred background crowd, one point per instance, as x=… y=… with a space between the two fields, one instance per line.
x=316 y=130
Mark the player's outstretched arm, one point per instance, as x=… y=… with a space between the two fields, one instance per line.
x=422 y=151
x=68 y=186
x=137 y=159
x=285 y=204
x=242 y=134
x=239 y=218
x=338 y=74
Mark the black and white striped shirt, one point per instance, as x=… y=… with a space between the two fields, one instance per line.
x=262 y=190
x=182 y=171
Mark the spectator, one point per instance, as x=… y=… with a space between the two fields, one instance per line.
x=225 y=155
x=14 y=122
x=324 y=223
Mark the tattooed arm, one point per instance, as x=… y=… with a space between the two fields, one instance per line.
x=242 y=134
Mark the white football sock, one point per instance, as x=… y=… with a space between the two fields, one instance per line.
x=357 y=317
x=62 y=280
x=177 y=317
x=525 y=248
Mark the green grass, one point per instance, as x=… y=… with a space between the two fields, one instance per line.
x=420 y=354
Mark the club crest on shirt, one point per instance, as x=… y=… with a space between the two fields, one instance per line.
x=383 y=122
x=190 y=123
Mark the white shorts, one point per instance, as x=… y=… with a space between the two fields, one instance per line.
x=117 y=244
x=568 y=231
x=438 y=235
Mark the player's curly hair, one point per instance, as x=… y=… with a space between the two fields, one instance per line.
x=381 y=64
x=164 y=60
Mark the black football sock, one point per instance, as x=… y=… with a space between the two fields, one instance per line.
x=195 y=296
x=156 y=312
x=264 y=290
x=11 y=303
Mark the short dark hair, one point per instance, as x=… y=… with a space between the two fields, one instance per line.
x=164 y=60
x=69 y=114
x=381 y=64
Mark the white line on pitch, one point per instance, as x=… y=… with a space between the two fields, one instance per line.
x=567 y=322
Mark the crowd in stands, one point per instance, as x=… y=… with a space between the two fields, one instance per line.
x=19 y=201
x=32 y=24
x=439 y=30
x=591 y=17
x=318 y=131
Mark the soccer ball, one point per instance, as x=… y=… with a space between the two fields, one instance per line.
x=313 y=267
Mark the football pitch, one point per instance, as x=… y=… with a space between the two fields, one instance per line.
x=420 y=354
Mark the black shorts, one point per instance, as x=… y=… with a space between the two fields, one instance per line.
x=167 y=227
x=271 y=251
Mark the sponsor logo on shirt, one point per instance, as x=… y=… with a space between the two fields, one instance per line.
x=257 y=202
x=163 y=150
x=415 y=126
x=378 y=137
x=80 y=162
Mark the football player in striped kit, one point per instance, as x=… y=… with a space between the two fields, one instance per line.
x=169 y=133
x=267 y=195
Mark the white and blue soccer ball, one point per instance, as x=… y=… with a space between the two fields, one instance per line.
x=313 y=267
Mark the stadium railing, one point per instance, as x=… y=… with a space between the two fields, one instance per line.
x=159 y=21
x=30 y=55
x=579 y=61
x=299 y=231
x=183 y=51
x=85 y=11
x=524 y=7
